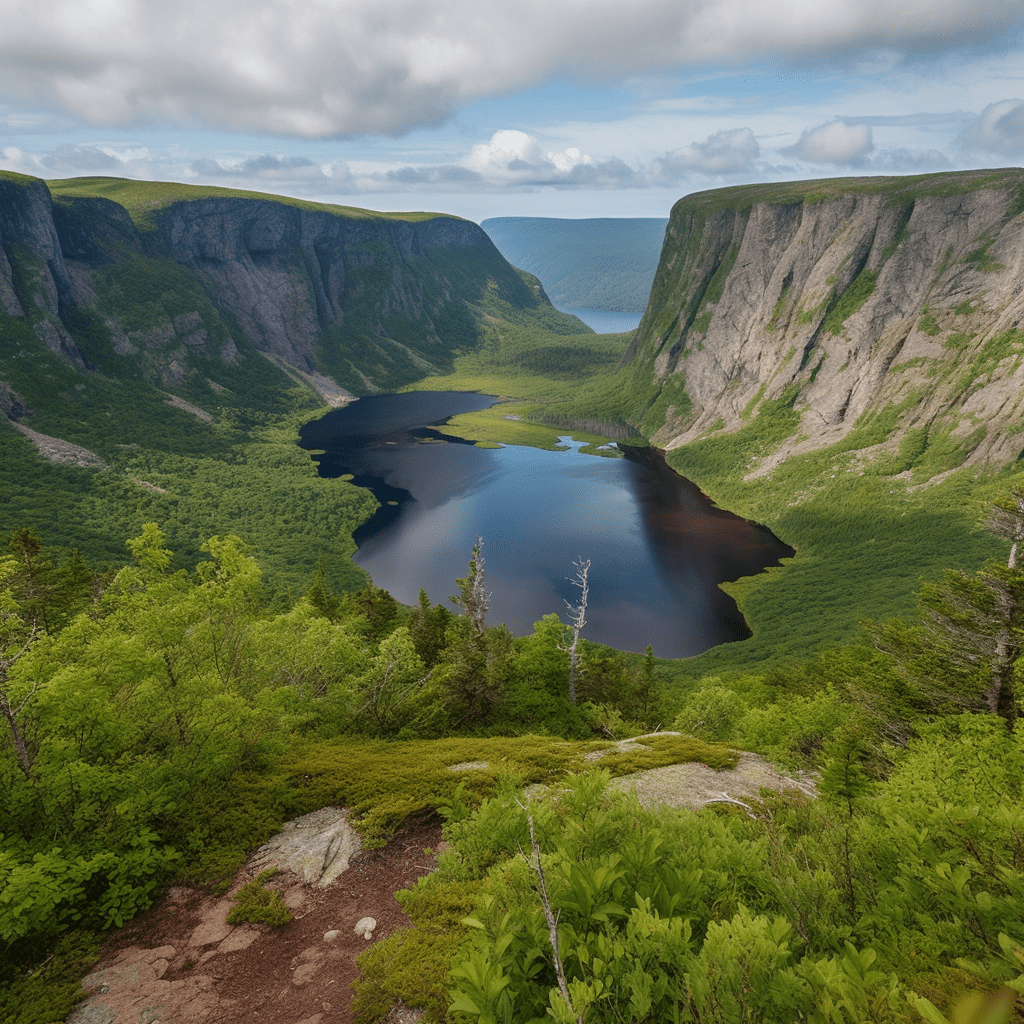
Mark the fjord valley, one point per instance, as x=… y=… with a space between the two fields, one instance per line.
x=838 y=361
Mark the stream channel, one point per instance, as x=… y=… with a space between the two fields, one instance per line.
x=658 y=547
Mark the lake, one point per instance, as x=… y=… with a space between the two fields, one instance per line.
x=658 y=546
x=605 y=321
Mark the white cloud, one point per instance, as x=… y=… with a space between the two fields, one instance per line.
x=726 y=152
x=505 y=149
x=835 y=143
x=344 y=67
x=514 y=154
x=910 y=161
x=998 y=129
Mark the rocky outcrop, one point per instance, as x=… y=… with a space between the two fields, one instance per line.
x=346 y=299
x=34 y=279
x=842 y=299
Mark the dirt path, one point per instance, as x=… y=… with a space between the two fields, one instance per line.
x=181 y=963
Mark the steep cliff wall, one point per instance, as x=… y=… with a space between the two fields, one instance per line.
x=172 y=284
x=845 y=299
x=34 y=278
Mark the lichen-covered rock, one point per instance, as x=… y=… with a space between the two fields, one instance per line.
x=317 y=847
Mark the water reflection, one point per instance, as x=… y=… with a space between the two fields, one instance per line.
x=658 y=547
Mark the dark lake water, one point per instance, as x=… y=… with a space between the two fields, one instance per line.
x=605 y=321
x=658 y=547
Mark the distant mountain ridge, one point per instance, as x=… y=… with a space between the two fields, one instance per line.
x=601 y=263
x=180 y=285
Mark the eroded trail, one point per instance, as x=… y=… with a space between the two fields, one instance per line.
x=182 y=962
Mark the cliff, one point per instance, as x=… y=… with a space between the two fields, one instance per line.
x=177 y=285
x=848 y=300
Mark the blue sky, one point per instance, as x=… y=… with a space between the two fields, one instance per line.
x=483 y=108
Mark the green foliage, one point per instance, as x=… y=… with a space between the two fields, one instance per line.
x=928 y=324
x=1009 y=343
x=859 y=291
x=258 y=904
x=646 y=930
x=959 y=340
x=412 y=964
x=980 y=259
x=47 y=992
x=780 y=305
x=717 y=917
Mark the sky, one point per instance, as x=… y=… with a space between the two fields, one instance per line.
x=489 y=108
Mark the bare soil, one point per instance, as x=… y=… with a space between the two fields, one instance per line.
x=181 y=962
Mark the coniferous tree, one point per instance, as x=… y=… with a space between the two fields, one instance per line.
x=965 y=650
x=473 y=596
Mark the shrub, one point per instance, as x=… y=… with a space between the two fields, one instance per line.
x=256 y=903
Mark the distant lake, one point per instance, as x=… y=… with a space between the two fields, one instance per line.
x=605 y=321
x=658 y=547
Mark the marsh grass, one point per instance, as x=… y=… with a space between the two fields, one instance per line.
x=514 y=423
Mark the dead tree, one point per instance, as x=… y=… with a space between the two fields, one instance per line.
x=549 y=915
x=577 y=620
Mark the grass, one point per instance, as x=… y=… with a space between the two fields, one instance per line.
x=896 y=189
x=144 y=198
x=497 y=426
x=850 y=301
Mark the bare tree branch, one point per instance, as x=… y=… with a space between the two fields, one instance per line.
x=549 y=915
x=577 y=619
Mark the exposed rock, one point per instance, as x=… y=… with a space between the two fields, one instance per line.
x=180 y=403
x=12 y=405
x=214 y=927
x=29 y=236
x=131 y=990
x=238 y=939
x=304 y=973
x=696 y=785
x=253 y=973
x=845 y=297
x=365 y=927
x=300 y=284
x=54 y=449
x=468 y=766
x=317 y=847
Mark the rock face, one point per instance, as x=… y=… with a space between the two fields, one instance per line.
x=34 y=279
x=844 y=298
x=194 y=280
x=317 y=847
